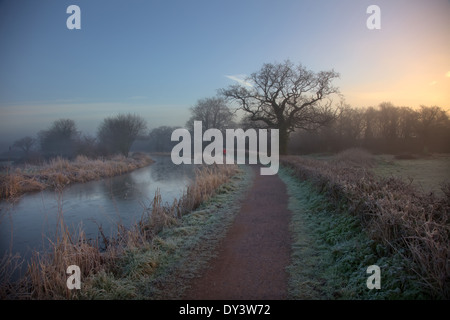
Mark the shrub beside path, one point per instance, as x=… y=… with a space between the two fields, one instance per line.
x=252 y=258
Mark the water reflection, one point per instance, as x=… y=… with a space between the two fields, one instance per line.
x=25 y=225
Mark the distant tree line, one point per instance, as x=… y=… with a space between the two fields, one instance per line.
x=115 y=135
x=383 y=129
x=298 y=102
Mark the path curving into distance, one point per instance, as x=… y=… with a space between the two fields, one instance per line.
x=252 y=258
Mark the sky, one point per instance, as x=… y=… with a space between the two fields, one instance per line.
x=157 y=58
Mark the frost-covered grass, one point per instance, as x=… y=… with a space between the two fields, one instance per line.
x=427 y=173
x=163 y=267
x=393 y=213
x=150 y=260
x=331 y=252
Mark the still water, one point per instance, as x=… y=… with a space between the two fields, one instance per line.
x=27 y=224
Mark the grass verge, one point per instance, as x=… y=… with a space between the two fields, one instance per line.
x=393 y=214
x=331 y=252
x=150 y=260
x=162 y=267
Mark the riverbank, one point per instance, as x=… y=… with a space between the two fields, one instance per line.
x=118 y=267
x=59 y=172
x=344 y=219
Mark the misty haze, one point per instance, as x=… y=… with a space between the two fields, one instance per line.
x=224 y=150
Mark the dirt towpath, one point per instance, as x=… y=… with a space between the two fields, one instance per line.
x=252 y=258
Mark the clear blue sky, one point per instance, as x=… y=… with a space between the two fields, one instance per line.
x=157 y=58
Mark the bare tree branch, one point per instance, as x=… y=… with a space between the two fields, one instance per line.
x=286 y=97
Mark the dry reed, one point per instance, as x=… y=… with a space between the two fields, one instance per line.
x=58 y=172
x=411 y=223
x=46 y=276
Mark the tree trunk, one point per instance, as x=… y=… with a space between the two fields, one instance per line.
x=284 y=139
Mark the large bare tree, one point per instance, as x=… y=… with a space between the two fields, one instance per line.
x=60 y=139
x=213 y=112
x=286 y=97
x=25 y=144
x=118 y=133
